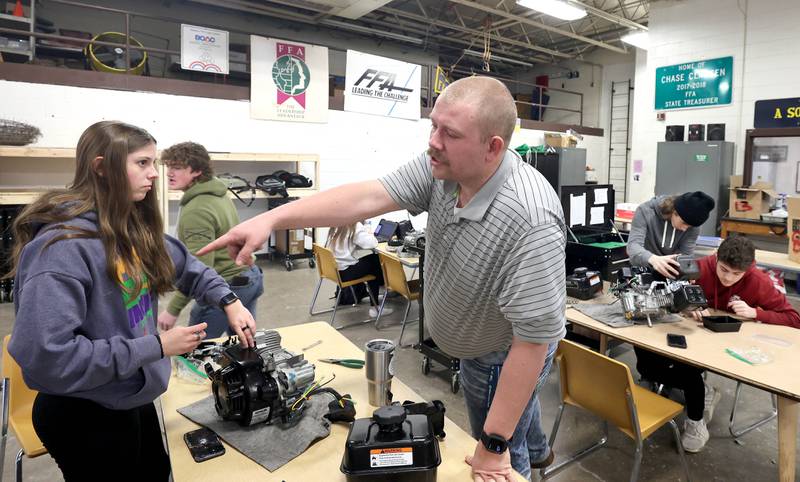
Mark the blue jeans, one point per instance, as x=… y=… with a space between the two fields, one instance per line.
x=479 y=377
x=216 y=318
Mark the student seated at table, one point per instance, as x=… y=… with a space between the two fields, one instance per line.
x=344 y=242
x=666 y=226
x=731 y=282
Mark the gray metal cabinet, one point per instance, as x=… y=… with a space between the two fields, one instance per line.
x=565 y=167
x=697 y=166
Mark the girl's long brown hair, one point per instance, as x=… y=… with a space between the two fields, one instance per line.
x=131 y=232
x=341 y=233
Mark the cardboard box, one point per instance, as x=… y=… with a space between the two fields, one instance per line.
x=749 y=202
x=560 y=140
x=793 y=227
x=524 y=105
x=296 y=241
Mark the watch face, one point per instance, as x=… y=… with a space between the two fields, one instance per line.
x=494 y=443
x=228 y=299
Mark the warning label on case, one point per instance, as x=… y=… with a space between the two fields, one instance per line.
x=391 y=457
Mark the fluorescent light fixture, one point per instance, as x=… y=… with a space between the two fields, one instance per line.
x=473 y=53
x=637 y=39
x=554 y=8
x=371 y=31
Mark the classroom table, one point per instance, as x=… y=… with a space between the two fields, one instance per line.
x=781 y=261
x=706 y=349
x=322 y=459
x=751 y=226
x=407 y=261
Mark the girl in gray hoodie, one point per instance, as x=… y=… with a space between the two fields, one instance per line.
x=89 y=264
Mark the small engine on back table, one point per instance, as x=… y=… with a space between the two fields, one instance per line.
x=261 y=384
x=414 y=241
x=583 y=284
x=645 y=294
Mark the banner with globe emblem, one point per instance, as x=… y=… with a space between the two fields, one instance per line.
x=289 y=80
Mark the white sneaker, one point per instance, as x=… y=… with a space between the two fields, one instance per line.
x=373 y=311
x=712 y=398
x=695 y=435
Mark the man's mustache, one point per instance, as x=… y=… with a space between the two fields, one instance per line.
x=434 y=153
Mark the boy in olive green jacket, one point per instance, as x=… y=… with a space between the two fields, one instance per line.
x=206 y=212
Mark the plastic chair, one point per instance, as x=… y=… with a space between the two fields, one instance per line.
x=604 y=387
x=17 y=410
x=394 y=277
x=326 y=266
x=739 y=432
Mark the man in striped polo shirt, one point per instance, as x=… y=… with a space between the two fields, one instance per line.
x=494 y=270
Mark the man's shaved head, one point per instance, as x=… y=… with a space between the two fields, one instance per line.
x=494 y=107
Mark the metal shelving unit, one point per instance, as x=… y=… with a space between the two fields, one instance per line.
x=15 y=45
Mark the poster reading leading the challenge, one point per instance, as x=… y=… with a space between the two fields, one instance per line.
x=381 y=86
x=289 y=80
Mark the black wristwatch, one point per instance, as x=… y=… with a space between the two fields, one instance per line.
x=494 y=443
x=228 y=299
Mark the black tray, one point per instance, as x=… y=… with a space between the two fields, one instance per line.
x=722 y=323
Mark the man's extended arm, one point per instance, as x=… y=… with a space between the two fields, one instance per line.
x=335 y=207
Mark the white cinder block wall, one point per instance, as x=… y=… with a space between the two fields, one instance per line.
x=761 y=37
x=597 y=72
x=351 y=146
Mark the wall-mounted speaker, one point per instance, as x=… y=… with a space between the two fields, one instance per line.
x=716 y=132
x=697 y=132
x=674 y=133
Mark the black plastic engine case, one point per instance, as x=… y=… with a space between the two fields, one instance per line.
x=689 y=297
x=583 y=284
x=391 y=446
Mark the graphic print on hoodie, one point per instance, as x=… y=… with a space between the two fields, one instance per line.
x=138 y=305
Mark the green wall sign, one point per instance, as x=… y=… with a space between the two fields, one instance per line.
x=702 y=83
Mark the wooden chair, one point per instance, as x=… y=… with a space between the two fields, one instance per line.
x=394 y=277
x=326 y=266
x=17 y=411
x=604 y=387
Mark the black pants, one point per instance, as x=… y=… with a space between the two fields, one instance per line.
x=674 y=374
x=369 y=264
x=91 y=442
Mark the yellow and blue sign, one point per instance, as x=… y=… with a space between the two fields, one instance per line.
x=441 y=80
x=777 y=113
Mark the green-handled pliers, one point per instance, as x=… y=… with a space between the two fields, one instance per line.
x=345 y=362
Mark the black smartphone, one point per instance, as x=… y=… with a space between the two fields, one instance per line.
x=677 y=341
x=203 y=444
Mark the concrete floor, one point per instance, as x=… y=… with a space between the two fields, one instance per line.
x=285 y=302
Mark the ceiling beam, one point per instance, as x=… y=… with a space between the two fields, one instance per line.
x=439 y=23
x=543 y=26
x=441 y=40
x=598 y=12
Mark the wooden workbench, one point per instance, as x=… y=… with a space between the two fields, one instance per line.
x=321 y=461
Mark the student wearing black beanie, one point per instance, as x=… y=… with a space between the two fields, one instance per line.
x=666 y=226
x=662 y=228
x=694 y=207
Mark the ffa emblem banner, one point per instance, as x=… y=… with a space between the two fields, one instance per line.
x=289 y=80
x=381 y=86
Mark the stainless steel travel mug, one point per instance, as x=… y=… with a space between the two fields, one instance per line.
x=379 y=364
